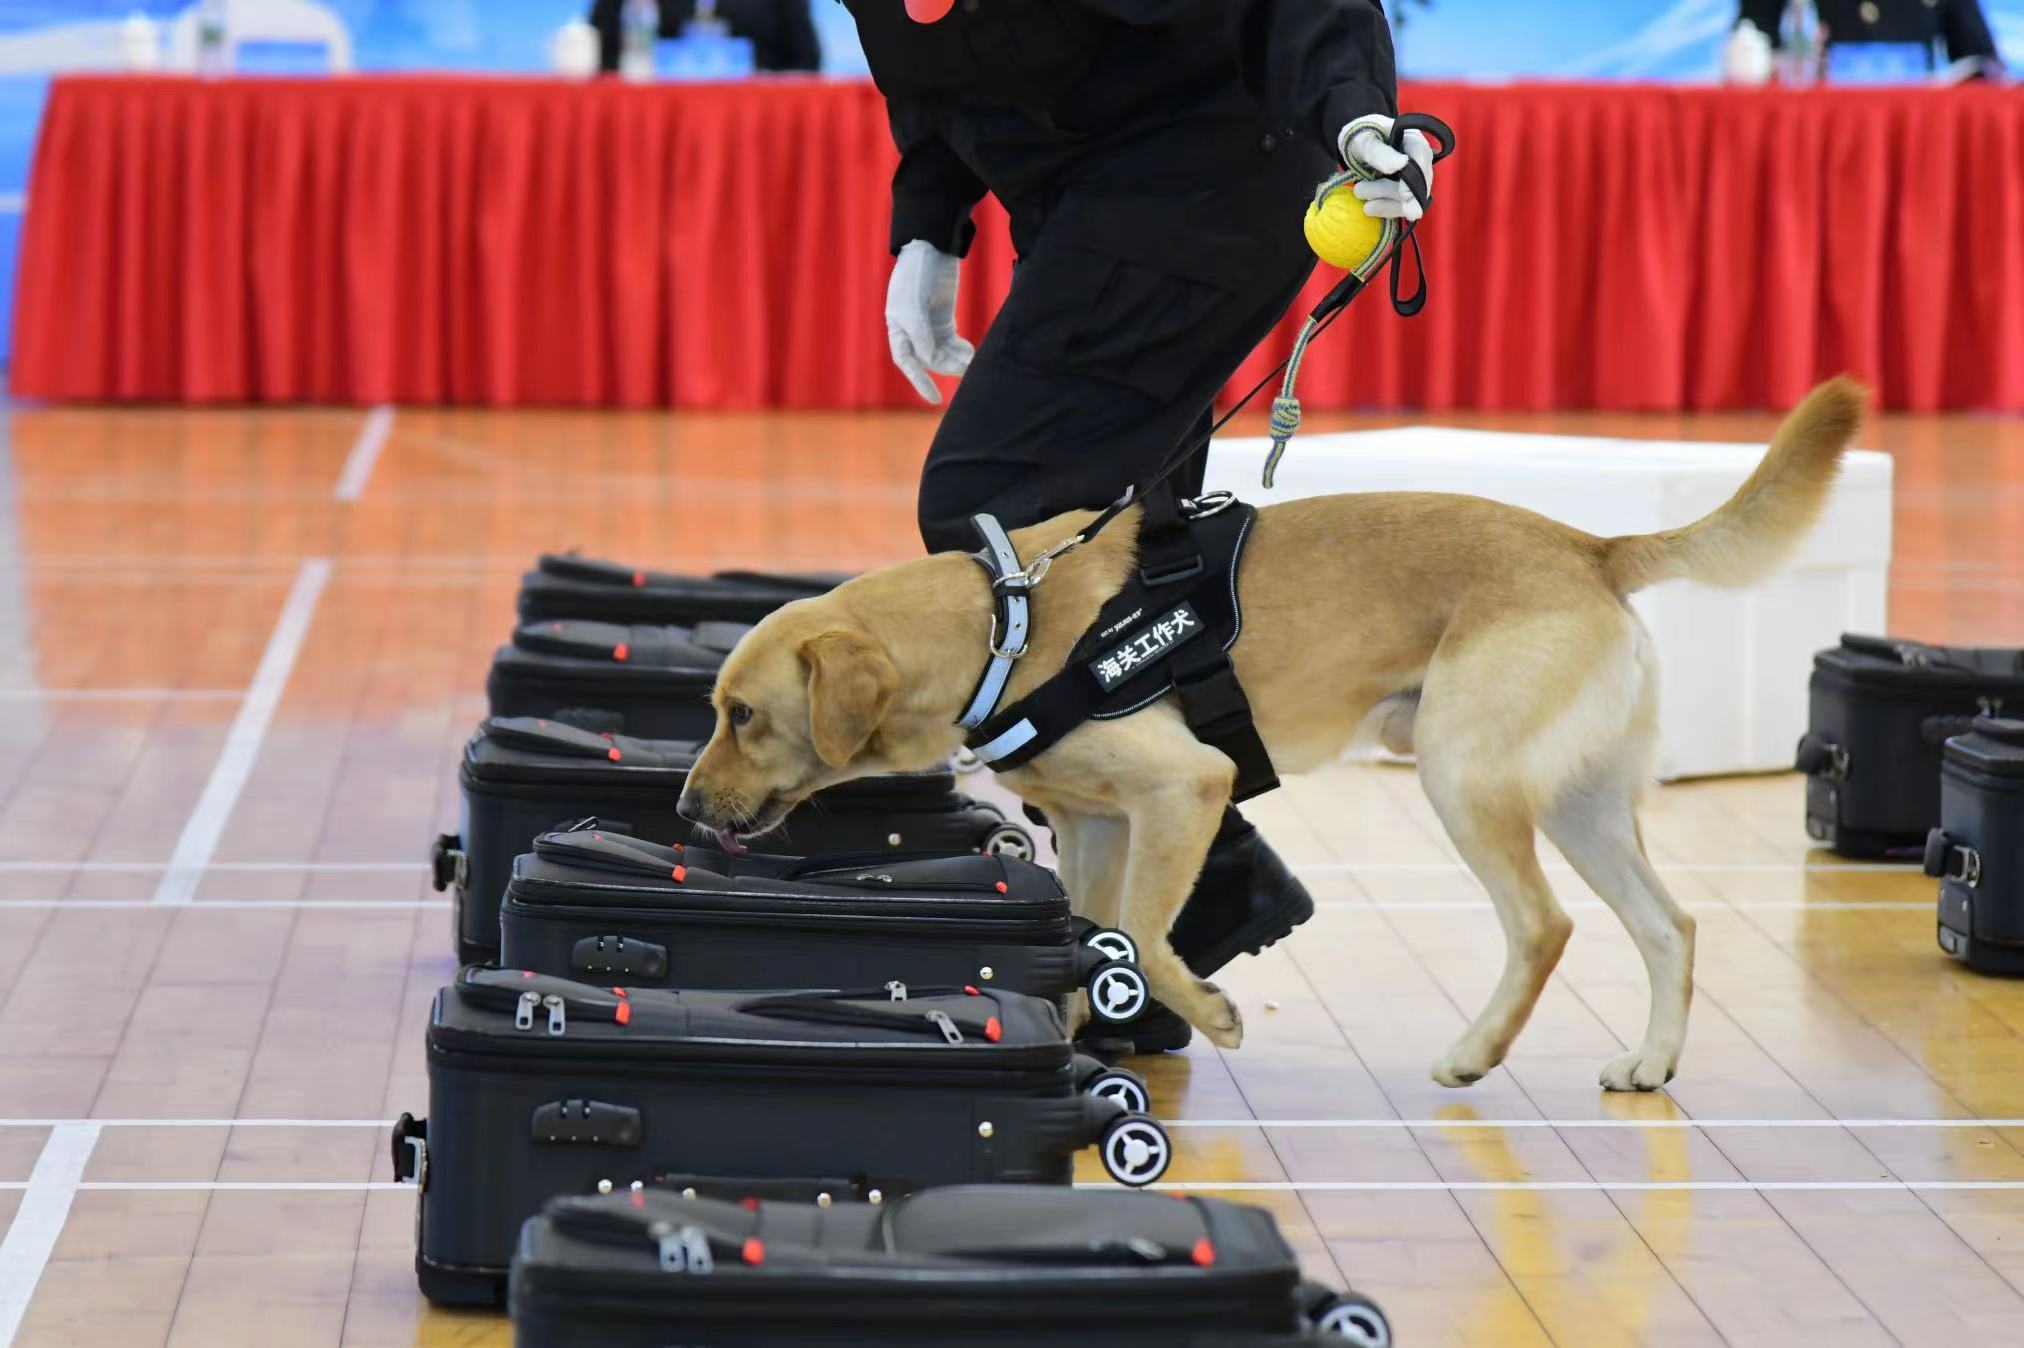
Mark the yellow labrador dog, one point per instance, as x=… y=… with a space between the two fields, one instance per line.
x=1493 y=643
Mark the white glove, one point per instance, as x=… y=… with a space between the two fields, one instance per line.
x=921 y=317
x=1366 y=148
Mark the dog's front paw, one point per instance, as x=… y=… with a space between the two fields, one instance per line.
x=1220 y=1020
x=1463 y=1065
x=1637 y=1071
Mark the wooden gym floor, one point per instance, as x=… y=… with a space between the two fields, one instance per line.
x=239 y=651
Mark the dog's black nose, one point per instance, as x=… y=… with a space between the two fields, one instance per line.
x=690 y=807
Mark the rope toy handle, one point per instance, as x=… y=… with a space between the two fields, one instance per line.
x=1286 y=407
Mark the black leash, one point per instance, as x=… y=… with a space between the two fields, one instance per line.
x=1318 y=319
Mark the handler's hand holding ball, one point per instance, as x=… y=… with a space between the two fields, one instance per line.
x=921 y=317
x=1366 y=148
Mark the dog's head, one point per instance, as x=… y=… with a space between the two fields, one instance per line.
x=799 y=703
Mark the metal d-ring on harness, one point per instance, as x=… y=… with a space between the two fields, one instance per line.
x=1146 y=641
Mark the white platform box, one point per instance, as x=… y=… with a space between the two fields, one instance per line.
x=1733 y=664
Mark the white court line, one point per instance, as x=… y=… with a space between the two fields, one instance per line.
x=1393 y=1124
x=1576 y=1186
x=278 y=905
x=199 y=1123
x=229 y=867
x=39 y=1220
x=1596 y=905
x=243 y=1186
x=207 y=822
x=121 y=694
x=1561 y=867
x=365 y=452
x=1194 y=1186
x=1559 y=1124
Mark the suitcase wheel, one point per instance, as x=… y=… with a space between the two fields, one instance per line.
x=447 y=862
x=1010 y=840
x=1112 y=944
x=1136 y=1150
x=1118 y=992
x=1354 y=1319
x=1114 y=1083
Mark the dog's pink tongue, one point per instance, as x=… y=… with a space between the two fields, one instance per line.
x=728 y=840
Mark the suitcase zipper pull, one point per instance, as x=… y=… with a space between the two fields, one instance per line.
x=523 y=1015
x=557 y=1018
x=897 y=990
x=940 y=1020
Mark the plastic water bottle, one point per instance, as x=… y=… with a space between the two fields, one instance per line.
x=1748 y=59
x=573 y=52
x=214 y=38
x=639 y=30
x=1802 y=43
x=140 y=43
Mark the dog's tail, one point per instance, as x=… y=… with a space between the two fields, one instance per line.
x=1759 y=526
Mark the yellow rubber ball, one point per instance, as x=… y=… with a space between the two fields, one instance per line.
x=1340 y=233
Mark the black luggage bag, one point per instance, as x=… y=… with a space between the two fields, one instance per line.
x=1977 y=852
x=600 y=905
x=653 y=681
x=563 y=585
x=524 y=776
x=541 y=1087
x=1879 y=710
x=1009 y=1265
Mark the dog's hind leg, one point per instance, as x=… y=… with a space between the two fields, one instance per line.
x=1092 y=851
x=1595 y=826
x=1492 y=827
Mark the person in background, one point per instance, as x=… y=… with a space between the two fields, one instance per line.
x=781 y=31
x=1960 y=24
x=1155 y=157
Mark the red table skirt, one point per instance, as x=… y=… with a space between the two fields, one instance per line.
x=506 y=242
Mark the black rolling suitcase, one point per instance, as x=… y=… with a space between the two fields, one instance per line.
x=540 y=1087
x=653 y=681
x=568 y=586
x=523 y=776
x=1010 y=1266
x=600 y=905
x=1879 y=710
x=1977 y=852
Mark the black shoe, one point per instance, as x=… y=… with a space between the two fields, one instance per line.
x=1244 y=900
x=1157 y=1030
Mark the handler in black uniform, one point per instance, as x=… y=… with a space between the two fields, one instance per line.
x=1155 y=157
x=1960 y=23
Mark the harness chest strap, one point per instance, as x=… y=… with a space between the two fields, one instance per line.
x=1011 y=620
x=1169 y=630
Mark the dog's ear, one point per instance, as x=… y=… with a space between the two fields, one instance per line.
x=850 y=686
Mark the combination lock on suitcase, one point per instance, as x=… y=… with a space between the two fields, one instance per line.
x=595 y=904
x=648 y=680
x=524 y=776
x=1977 y=852
x=540 y=1087
x=994 y=1266
x=564 y=585
x=1879 y=711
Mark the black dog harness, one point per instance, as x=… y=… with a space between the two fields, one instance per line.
x=1169 y=630
x=1171 y=627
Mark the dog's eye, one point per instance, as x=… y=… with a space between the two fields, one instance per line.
x=739 y=713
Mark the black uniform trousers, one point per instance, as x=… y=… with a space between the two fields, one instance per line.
x=1132 y=304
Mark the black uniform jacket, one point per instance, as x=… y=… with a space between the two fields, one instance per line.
x=1023 y=97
